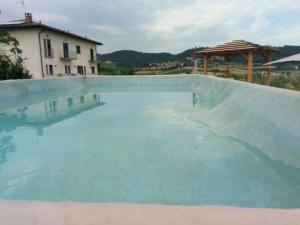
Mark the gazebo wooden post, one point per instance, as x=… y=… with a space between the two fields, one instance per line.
x=206 y=58
x=226 y=58
x=250 y=66
x=269 y=70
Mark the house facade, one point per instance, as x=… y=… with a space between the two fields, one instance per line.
x=49 y=51
x=44 y=114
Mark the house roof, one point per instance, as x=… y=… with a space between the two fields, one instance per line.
x=24 y=24
x=292 y=58
x=234 y=47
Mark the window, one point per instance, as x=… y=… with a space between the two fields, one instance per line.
x=50 y=69
x=78 y=50
x=93 y=70
x=67 y=69
x=47 y=48
x=52 y=106
x=70 y=102
x=80 y=70
x=92 y=54
x=66 y=50
x=81 y=99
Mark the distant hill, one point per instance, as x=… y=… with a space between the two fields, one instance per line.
x=136 y=59
x=287 y=50
x=128 y=58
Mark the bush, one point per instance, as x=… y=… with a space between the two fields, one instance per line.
x=280 y=81
x=11 y=61
x=127 y=71
x=111 y=69
x=296 y=82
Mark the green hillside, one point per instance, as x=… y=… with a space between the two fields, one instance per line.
x=128 y=58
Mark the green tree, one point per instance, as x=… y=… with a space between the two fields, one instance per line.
x=11 y=60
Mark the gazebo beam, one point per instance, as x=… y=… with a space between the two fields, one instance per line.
x=250 y=66
x=227 y=58
x=269 y=70
x=268 y=56
x=206 y=59
x=245 y=55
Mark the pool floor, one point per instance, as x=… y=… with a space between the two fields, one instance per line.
x=134 y=147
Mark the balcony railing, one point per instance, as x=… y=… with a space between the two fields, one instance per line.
x=92 y=60
x=71 y=55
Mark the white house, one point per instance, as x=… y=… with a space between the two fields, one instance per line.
x=51 y=51
x=44 y=114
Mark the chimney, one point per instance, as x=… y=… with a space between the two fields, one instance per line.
x=28 y=17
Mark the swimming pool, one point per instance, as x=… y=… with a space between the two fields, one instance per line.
x=175 y=140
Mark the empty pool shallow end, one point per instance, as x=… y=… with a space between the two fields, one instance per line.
x=48 y=213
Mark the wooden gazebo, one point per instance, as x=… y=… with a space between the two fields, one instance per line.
x=244 y=48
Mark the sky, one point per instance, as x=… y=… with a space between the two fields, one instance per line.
x=166 y=25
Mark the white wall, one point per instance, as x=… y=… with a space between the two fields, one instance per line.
x=31 y=51
x=29 y=43
x=57 y=41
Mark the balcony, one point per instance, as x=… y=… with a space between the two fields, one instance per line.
x=49 y=54
x=68 y=56
x=92 y=61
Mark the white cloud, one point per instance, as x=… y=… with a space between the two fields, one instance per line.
x=51 y=18
x=108 y=30
x=284 y=36
x=258 y=25
x=179 y=23
x=167 y=25
x=204 y=16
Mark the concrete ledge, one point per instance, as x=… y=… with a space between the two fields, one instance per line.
x=48 y=213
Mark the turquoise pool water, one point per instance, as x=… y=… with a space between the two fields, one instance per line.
x=151 y=147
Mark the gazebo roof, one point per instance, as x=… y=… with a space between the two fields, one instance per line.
x=235 y=46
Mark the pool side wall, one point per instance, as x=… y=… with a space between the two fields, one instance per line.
x=262 y=117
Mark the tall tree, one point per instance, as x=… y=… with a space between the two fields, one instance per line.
x=11 y=60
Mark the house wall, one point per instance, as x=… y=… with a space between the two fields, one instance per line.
x=55 y=109
x=83 y=58
x=29 y=43
x=30 y=49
